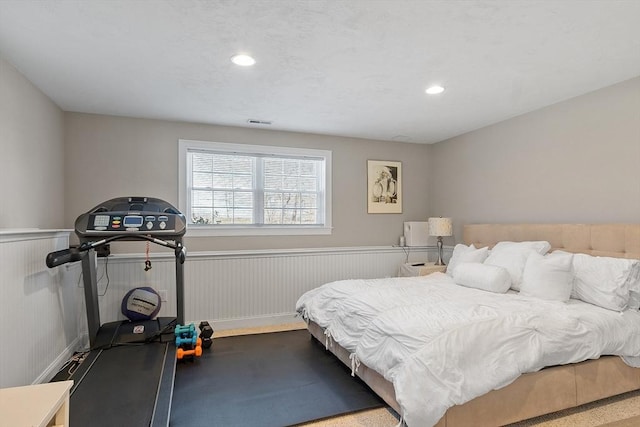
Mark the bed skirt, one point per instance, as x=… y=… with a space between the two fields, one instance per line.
x=531 y=395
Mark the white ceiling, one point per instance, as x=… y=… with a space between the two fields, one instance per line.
x=340 y=67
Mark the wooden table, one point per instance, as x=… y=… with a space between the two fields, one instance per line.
x=39 y=405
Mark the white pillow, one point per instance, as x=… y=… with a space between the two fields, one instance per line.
x=482 y=276
x=513 y=255
x=603 y=281
x=634 y=287
x=463 y=253
x=548 y=277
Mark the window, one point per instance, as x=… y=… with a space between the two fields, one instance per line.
x=238 y=189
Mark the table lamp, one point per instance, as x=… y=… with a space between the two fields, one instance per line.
x=440 y=227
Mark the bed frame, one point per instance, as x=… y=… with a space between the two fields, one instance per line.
x=551 y=389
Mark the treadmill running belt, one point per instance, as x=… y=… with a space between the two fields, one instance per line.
x=124 y=381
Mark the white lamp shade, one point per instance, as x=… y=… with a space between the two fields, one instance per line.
x=440 y=227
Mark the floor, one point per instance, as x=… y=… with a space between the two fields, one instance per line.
x=619 y=411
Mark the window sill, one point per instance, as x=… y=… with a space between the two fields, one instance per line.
x=194 y=231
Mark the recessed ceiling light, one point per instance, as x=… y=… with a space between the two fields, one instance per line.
x=434 y=90
x=243 y=60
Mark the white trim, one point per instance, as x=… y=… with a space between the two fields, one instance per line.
x=273 y=253
x=54 y=367
x=252 y=149
x=251 y=322
x=259 y=230
x=24 y=234
x=204 y=231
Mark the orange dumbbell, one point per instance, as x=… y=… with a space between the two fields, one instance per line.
x=197 y=351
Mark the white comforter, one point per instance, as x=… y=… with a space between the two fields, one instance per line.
x=441 y=344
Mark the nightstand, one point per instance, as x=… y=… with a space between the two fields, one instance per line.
x=410 y=269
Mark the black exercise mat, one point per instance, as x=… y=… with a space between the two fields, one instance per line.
x=275 y=379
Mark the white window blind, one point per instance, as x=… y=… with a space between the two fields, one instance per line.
x=249 y=189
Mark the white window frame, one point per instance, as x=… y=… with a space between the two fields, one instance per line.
x=185 y=145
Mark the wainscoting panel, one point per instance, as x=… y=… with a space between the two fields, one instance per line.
x=43 y=310
x=244 y=288
x=38 y=308
x=254 y=287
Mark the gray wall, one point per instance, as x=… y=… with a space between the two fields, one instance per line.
x=113 y=156
x=577 y=161
x=31 y=156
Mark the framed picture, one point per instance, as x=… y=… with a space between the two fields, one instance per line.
x=384 y=186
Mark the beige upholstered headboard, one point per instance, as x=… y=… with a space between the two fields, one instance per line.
x=612 y=240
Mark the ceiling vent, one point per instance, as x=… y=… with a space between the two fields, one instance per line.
x=258 y=122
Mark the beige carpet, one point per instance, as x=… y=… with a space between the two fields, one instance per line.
x=618 y=411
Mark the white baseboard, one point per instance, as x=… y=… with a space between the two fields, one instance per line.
x=55 y=366
x=252 y=322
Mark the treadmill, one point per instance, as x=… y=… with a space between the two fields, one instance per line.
x=127 y=377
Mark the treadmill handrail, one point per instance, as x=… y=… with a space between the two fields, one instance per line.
x=64 y=256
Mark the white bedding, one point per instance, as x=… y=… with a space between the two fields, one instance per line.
x=441 y=344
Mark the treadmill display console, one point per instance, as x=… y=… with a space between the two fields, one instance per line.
x=130 y=223
x=131 y=215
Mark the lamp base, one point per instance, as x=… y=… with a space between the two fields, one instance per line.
x=440 y=261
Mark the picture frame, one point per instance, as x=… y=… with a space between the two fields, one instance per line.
x=384 y=186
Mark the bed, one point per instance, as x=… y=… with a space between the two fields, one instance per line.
x=539 y=375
